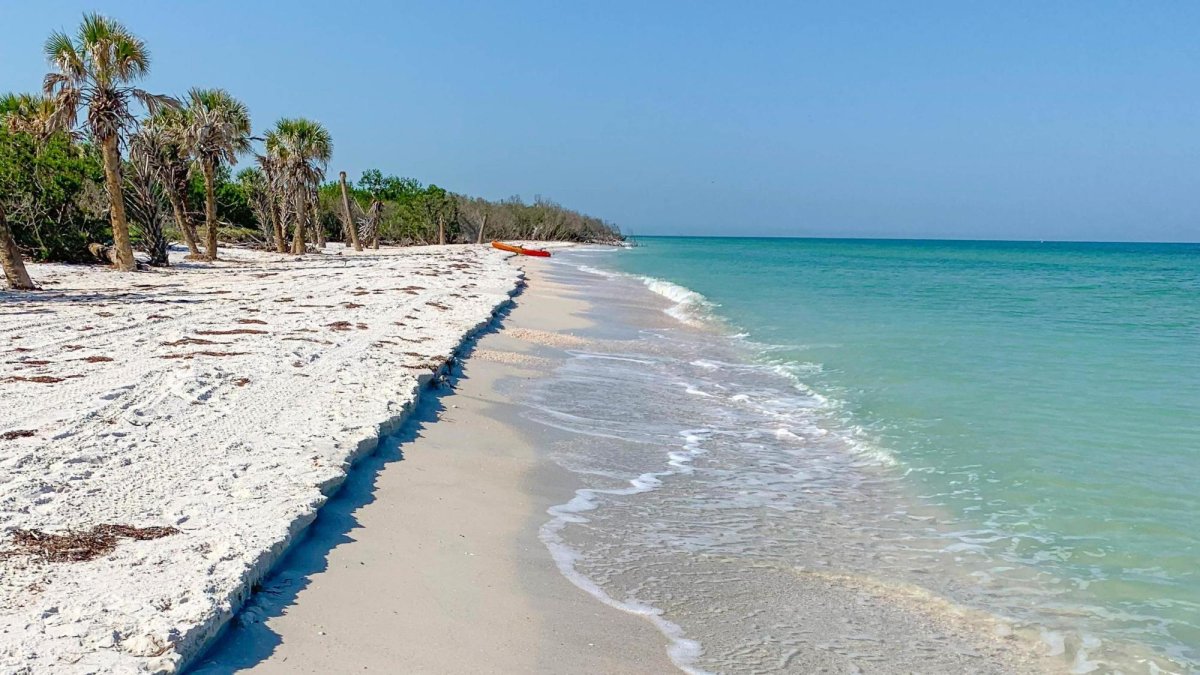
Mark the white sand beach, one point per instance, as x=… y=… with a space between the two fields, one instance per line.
x=217 y=405
x=429 y=561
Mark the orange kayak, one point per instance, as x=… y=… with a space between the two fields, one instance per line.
x=523 y=251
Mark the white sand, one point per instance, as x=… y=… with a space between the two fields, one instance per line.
x=236 y=448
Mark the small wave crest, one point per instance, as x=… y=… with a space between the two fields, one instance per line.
x=690 y=307
x=598 y=272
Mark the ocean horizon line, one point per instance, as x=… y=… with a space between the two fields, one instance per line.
x=946 y=240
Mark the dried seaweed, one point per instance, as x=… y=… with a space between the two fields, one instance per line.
x=191 y=355
x=17 y=433
x=234 y=331
x=79 y=546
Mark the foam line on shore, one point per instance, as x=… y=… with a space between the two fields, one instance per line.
x=684 y=652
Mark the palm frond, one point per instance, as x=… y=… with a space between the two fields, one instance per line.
x=155 y=103
x=62 y=54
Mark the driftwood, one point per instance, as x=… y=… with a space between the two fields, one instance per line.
x=103 y=253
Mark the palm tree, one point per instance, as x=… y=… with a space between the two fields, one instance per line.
x=273 y=185
x=29 y=114
x=146 y=195
x=94 y=71
x=253 y=183
x=301 y=149
x=169 y=161
x=369 y=228
x=217 y=129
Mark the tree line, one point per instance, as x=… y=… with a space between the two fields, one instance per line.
x=83 y=176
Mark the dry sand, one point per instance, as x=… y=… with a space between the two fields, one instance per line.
x=224 y=401
x=432 y=564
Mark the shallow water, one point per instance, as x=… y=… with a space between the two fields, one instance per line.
x=831 y=454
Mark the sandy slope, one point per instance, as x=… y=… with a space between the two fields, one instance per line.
x=234 y=441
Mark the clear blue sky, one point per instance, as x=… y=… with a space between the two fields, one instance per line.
x=1031 y=120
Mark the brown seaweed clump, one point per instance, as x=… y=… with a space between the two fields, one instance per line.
x=79 y=546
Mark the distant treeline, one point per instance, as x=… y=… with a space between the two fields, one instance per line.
x=92 y=167
x=403 y=211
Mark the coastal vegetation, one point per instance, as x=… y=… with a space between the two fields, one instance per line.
x=94 y=168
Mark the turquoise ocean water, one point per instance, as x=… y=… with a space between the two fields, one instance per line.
x=1044 y=397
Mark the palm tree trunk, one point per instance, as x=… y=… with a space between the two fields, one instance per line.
x=346 y=209
x=318 y=226
x=276 y=206
x=277 y=223
x=301 y=223
x=10 y=258
x=181 y=221
x=116 y=204
x=481 y=228
x=210 y=208
x=441 y=230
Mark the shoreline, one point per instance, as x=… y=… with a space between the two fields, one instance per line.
x=432 y=557
x=156 y=604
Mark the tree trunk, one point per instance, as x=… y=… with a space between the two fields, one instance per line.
x=210 y=208
x=481 y=228
x=301 y=223
x=116 y=204
x=441 y=230
x=277 y=223
x=182 y=222
x=346 y=209
x=317 y=225
x=10 y=258
x=276 y=217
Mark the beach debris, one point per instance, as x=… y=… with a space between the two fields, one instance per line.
x=191 y=355
x=40 y=379
x=233 y=331
x=340 y=325
x=17 y=433
x=308 y=339
x=97 y=359
x=191 y=341
x=79 y=546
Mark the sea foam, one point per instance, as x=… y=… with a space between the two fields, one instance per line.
x=690 y=306
x=683 y=652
